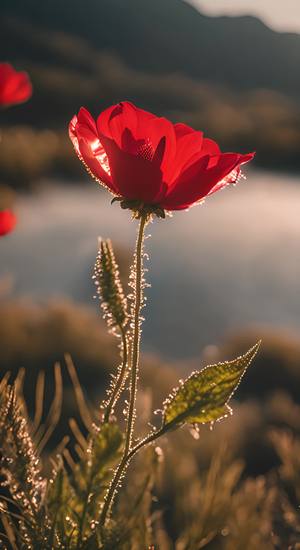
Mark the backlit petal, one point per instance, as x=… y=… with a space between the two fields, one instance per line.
x=133 y=176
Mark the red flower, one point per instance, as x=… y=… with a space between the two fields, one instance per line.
x=8 y=221
x=140 y=157
x=15 y=87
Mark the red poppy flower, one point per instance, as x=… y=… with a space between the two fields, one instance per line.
x=142 y=158
x=15 y=87
x=8 y=221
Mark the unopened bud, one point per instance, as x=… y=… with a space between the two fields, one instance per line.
x=109 y=286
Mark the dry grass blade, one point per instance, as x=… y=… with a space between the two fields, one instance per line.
x=81 y=402
x=55 y=409
x=9 y=531
x=77 y=433
x=4 y=381
x=61 y=446
x=19 y=387
x=39 y=400
x=79 y=451
x=69 y=460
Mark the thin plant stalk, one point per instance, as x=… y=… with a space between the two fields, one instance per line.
x=121 y=377
x=123 y=466
x=150 y=438
x=135 y=349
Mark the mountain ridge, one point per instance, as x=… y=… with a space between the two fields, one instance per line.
x=173 y=36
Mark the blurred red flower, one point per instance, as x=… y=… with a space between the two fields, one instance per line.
x=15 y=87
x=8 y=221
x=141 y=157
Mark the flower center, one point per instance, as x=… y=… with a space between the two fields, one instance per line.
x=145 y=149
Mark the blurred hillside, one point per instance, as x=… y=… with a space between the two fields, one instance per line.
x=35 y=336
x=170 y=36
x=232 y=77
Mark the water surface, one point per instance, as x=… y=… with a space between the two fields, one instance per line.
x=228 y=264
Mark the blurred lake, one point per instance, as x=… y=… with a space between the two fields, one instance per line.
x=228 y=264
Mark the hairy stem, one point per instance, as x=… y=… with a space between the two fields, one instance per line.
x=135 y=348
x=122 y=467
x=121 y=377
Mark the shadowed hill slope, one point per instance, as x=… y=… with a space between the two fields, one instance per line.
x=170 y=35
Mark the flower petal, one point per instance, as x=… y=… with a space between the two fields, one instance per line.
x=73 y=135
x=95 y=162
x=182 y=129
x=156 y=129
x=145 y=127
x=83 y=134
x=85 y=118
x=188 y=150
x=113 y=121
x=233 y=175
x=210 y=147
x=134 y=177
x=199 y=180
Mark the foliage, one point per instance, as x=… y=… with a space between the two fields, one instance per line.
x=211 y=506
x=71 y=507
x=58 y=511
x=70 y=499
x=203 y=397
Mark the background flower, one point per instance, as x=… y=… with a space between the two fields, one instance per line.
x=15 y=87
x=8 y=221
x=142 y=157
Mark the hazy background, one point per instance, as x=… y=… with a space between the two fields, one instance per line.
x=223 y=274
x=281 y=16
x=222 y=267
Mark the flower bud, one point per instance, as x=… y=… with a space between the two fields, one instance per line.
x=109 y=286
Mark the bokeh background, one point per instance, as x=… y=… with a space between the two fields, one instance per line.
x=223 y=274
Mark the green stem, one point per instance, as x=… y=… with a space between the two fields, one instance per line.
x=135 y=350
x=84 y=513
x=121 y=468
x=138 y=295
x=120 y=378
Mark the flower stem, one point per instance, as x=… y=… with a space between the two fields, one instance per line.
x=120 y=378
x=122 y=467
x=135 y=349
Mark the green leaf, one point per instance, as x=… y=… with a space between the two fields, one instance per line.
x=93 y=473
x=105 y=448
x=60 y=499
x=59 y=490
x=204 y=396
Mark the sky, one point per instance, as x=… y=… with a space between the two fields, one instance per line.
x=282 y=16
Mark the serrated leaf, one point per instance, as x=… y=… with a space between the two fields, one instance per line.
x=204 y=396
